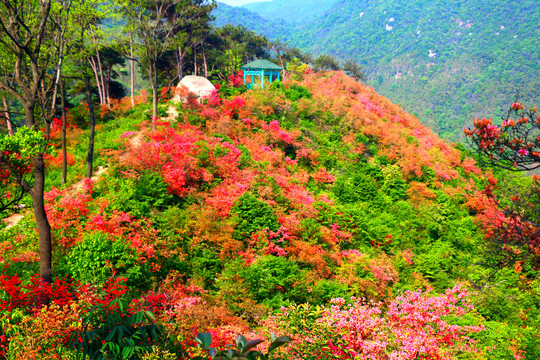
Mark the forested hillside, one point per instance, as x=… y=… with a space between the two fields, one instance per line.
x=290 y=11
x=446 y=61
x=226 y=14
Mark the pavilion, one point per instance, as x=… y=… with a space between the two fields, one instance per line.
x=261 y=68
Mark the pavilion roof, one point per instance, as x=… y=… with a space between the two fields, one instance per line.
x=262 y=64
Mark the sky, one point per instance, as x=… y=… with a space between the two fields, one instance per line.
x=239 y=2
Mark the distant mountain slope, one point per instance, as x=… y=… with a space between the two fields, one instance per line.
x=446 y=61
x=226 y=14
x=291 y=10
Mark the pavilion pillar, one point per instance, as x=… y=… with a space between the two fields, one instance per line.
x=262 y=78
x=278 y=74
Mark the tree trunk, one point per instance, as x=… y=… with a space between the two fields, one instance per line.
x=132 y=71
x=283 y=66
x=29 y=75
x=154 y=81
x=44 y=228
x=98 y=83
x=154 y=103
x=195 y=61
x=180 y=61
x=205 y=65
x=90 y=156
x=104 y=86
x=108 y=87
x=7 y=116
x=36 y=193
x=64 y=126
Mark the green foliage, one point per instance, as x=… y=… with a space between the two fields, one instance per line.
x=326 y=290
x=436 y=263
x=326 y=63
x=22 y=146
x=244 y=349
x=393 y=183
x=16 y=153
x=276 y=281
x=291 y=91
x=97 y=256
x=140 y=195
x=111 y=331
x=358 y=188
x=206 y=265
x=253 y=215
x=227 y=91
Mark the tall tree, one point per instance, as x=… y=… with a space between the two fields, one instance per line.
x=61 y=20
x=239 y=46
x=354 y=69
x=326 y=63
x=149 y=20
x=200 y=18
x=27 y=35
x=84 y=51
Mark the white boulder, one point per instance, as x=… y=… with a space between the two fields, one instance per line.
x=196 y=87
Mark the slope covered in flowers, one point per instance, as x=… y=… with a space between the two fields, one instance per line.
x=315 y=209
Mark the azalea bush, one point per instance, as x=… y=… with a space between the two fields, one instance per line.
x=414 y=325
x=513 y=145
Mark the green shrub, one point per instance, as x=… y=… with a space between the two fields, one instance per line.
x=292 y=92
x=226 y=91
x=206 y=265
x=436 y=263
x=325 y=290
x=97 y=256
x=244 y=349
x=253 y=215
x=140 y=196
x=358 y=188
x=276 y=281
x=393 y=184
x=112 y=332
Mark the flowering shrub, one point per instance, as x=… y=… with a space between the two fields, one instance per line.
x=514 y=232
x=512 y=145
x=56 y=161
x=109 y=331
x=31 y=297
x=236 y=80
x=415 y=325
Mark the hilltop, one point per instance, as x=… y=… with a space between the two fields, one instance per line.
x=446 y=61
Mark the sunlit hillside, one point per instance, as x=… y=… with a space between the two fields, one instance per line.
x=315 y=209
